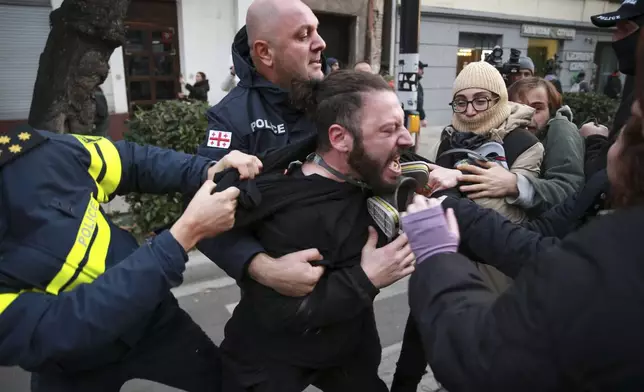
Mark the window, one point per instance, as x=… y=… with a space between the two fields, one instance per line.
x=474 y=47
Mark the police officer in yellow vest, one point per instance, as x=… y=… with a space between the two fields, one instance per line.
x=82 y=306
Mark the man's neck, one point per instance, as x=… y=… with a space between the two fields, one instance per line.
x=335 y=160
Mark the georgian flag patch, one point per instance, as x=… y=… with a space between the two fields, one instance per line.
x=219 y=139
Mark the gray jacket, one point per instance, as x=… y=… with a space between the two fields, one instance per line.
x=562 y=170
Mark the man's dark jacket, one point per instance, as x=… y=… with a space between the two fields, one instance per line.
x=570 y=322
x=289 y=213
x=257 y=116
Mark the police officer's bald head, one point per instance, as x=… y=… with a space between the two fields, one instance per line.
x=284 y=42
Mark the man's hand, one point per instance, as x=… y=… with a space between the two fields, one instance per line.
x=591 y=128
x=291 y=275
x=423 y=123
x=441 y=178
x=491 y=181
x=248 y=166
x=387 y=265
x=206 y=216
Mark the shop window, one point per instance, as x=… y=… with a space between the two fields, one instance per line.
x=540 y=51
x=474 y=47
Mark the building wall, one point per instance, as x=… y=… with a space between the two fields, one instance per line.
x=206 y=32
x=439 y=43
x=571 y=10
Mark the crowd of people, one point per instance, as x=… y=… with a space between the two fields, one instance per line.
x=520 y=234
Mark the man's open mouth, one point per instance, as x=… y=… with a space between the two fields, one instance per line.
x=394 y=165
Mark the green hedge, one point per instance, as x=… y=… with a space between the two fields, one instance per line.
x=591 y=106
x=178 y=125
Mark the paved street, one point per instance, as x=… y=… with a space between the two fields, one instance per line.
x=209 y=296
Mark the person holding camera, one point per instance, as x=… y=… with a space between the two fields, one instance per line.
x=526 y=69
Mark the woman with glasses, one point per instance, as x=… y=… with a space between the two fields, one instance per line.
x=487 y=124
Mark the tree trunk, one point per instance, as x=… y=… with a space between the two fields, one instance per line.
x=83 y=35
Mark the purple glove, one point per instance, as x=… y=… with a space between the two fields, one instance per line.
x=428 y=233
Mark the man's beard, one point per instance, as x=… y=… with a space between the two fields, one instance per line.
x=370 y=170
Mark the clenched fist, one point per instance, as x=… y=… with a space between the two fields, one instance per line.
x=207 y=215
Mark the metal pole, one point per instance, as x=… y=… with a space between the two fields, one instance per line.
x=408 y=63
x=392 y=37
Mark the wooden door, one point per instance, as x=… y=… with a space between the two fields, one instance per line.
x=151 y=53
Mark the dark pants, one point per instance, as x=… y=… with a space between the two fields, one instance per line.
x=179 y=355
x=286 y=378
x=412 y=364
x=359 y=372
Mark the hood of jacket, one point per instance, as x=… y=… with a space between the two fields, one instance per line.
x=561 y=120
x=248 y=75
x=563 y=112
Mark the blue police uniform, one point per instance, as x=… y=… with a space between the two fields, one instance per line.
x=82 y=306
x=256 y=116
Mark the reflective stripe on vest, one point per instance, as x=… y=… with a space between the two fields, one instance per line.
x=6 y=300
x=91 y=244
x=105 y=166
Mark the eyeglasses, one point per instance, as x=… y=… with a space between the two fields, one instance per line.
x=480 y=104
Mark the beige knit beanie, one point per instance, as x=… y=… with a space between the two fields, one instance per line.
x=484 y=76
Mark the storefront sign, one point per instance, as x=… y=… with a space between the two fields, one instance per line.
x=547 y=32
x=577 y=66
x=579 y=56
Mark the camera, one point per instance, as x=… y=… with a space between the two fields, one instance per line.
x=507 y=69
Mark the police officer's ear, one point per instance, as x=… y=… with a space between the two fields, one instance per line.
x=262 y=52
x=340 y=138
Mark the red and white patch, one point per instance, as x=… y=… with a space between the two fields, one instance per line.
x=219 y=139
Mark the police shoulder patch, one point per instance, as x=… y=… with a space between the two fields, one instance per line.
x=17 y=142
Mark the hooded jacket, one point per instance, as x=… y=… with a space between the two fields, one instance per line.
x=562 y=171
x=255 y=116
x=524 y=153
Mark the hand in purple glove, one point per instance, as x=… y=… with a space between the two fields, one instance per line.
x=430 y=230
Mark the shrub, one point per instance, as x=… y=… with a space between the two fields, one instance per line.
x=591 y=106
x=178 y=125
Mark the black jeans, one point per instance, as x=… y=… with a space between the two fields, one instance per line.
x=357 y=373
x=179 y=355
x=412 y=364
